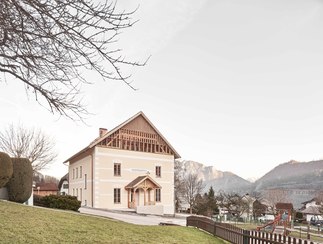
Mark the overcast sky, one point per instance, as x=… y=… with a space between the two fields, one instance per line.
x=232 y=84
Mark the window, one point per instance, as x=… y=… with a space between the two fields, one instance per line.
x=77 y=193
x=85 y=181
x=117 y=169
x=158 y=171
x=80 y=171
x=73 y=192
x=158 y=195
x=65 y=186
x=77 y=173
x=116 y=195
x=73 y=173
x=81 y=194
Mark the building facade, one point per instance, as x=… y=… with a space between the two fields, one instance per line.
x=45 y=189
x=63 y=185
x=129 y=167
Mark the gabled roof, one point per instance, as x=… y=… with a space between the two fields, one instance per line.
x=47 y=186
x=65 y=177
x=139 y=180
x=315 y=200
x=284 y=206
x=109 y=133
x=311 y=210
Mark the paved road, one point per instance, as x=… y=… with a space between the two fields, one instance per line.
x=134 y=218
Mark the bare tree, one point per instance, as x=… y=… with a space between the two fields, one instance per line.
x=277 y=195
x=233 y=202
x=178 y=184
x=33 y=144
x=192 y=188
x=258 y=208
x=47 y=44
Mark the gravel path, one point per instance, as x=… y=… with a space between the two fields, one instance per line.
x=133 y=218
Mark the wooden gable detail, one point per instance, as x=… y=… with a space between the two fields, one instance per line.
x=137 y=135
x=140 y=124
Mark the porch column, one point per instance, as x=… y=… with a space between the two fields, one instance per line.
x=134 y=198
x=128 y=199
x=145 y=197
x=154 y=196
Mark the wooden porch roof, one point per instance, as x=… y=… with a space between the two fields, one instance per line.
x=136 y=182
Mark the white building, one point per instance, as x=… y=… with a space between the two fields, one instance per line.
x=128 y=167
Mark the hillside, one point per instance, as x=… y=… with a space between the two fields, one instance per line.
x=24 y=224
x=293 y=174
x=219 y=180
x=300 y=181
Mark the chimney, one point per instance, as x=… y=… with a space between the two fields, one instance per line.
x=102 y=131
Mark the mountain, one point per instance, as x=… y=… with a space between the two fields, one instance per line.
x=293 y=174
x=219 y=180
x=296 y=181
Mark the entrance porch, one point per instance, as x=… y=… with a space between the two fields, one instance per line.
x=142 y=192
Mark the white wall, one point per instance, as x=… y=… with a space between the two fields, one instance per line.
x=3 y=193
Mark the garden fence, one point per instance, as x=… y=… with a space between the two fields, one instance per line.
x=237 y=235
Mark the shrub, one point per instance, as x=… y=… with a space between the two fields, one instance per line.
x=5 y=169
x=37 y=200
x=58 y=201
x=20 y=184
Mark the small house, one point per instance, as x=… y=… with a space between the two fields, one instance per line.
x=63 y=185
x=45 y=189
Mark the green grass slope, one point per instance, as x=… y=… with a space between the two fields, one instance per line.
x=23 y=224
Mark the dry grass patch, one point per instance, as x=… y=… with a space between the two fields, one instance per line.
x=23 y=224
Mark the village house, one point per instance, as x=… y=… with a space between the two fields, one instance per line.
x=63 y=185
x=128 y=167
x=45 y=189
x=311 y=208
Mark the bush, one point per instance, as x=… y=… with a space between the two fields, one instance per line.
x=20 y=184
x=5 y=169
x=37 y=200
x=65 y=202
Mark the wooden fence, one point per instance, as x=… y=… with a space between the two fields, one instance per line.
x=237 y=235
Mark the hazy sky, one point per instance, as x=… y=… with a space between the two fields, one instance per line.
x=233 y=84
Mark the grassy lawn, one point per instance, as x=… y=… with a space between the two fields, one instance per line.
x=23 y=224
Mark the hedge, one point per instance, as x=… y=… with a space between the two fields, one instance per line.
x=58 y=201
x=20 y=184
x=6 y=169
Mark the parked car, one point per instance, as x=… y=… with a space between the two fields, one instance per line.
x=266 y=218
x=316 y=221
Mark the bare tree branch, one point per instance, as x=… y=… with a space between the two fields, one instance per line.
x=233 y=202
x=179 y=189
x=21 y=142
x=192 y=188
x=46 y=43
